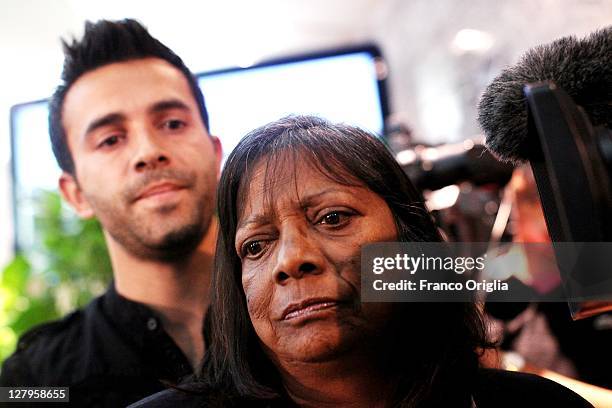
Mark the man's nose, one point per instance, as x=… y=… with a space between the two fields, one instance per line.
x=150 y=153
x=298 y=255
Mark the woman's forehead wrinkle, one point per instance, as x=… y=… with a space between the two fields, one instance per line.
x=249 y=195
x=279 y=178
x=269 y=182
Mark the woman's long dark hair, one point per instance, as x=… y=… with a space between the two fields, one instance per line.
x=436 y=349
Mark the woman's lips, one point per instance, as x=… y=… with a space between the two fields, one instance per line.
x=307 y=307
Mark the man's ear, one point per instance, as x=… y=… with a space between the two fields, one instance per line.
x=218 y=148
x=71 y=191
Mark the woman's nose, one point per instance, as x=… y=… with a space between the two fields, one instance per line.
x=298 y=255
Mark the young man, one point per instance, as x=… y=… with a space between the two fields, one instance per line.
x=130 y=131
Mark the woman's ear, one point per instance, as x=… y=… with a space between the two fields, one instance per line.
x=72 y=193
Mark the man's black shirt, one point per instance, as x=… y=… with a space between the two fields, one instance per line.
x=111 y=353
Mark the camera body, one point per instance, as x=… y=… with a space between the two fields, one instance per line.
x=572 y=163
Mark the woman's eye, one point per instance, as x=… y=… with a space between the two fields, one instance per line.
x=331 y=218
x=335 y=218
x=252 y=248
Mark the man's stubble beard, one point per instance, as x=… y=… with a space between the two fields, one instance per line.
x=137 y=235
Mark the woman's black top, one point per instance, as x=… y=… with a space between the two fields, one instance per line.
x=493 y=389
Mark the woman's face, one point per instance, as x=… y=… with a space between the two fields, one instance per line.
x=299 y=242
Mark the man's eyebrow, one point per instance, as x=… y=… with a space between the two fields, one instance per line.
x=167 y=105
x=115 y=118
x=110 y=119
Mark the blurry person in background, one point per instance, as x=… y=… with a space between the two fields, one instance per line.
x=129 y=129
x=521 y=327
x=298 y=199
x=541 y=337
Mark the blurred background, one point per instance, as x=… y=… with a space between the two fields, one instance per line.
x=439 y=56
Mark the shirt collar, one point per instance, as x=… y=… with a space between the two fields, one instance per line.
x=143 y=327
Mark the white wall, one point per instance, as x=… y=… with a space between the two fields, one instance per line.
x=429 y=80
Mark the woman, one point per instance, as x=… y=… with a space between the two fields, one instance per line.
x=298 y=198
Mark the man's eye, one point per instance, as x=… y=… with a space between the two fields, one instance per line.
x=109 y=141
x=174 y=124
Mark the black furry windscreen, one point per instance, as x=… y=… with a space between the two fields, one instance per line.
x=582 y=67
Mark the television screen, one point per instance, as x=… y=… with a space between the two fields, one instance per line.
x=343 y=85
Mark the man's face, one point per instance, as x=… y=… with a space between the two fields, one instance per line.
x=144 y=162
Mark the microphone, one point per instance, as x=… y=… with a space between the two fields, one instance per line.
x=581 y=67
x=554 y=109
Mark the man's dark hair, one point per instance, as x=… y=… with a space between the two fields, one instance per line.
x=106 y=42
x=435 y=353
